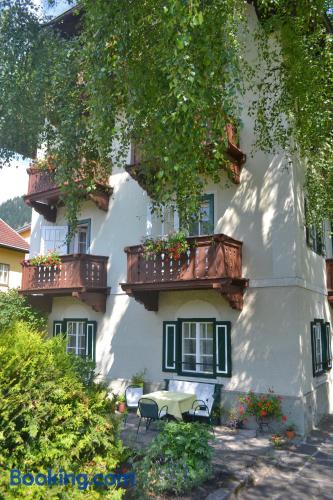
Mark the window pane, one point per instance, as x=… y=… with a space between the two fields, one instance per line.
x=189 y=363
x=206 y=364
x=4 y=274
x=189 y=346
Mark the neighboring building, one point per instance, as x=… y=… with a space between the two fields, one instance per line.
x=12 y=250
x=25 y=232
x=251 y=311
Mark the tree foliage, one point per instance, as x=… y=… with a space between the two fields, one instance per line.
x=167 y=75
x=49 y=419
x=15 y=307
x=15 y=212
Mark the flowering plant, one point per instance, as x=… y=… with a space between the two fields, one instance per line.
x=265 y=405
x=277 y=440
x=49 y=260
x=44 y=164
x=174 y=244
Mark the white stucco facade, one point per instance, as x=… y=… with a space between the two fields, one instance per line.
x=270 y=336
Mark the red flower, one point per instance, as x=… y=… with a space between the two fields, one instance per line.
x=284 y=418
x=263 y=413
x=259 y=404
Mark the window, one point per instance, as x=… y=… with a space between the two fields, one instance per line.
x=315 y=236
x=53 y=238
x=205 y=224
x=197 y=347
x=4 y=274
x=321 y=347
x=80 y=242
x=80 y=335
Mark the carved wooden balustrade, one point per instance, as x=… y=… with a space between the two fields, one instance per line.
x=213 y=262
x=236 y=159
x=81 y=275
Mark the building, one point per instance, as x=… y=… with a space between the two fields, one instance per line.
x=25 y=232
x=247 y=307
x=12 y=250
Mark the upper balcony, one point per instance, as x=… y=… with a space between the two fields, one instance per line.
x=79 y=275
x=236 y=159
x=213 y=262
x=44 y=194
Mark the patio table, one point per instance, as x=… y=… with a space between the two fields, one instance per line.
x=177 y=402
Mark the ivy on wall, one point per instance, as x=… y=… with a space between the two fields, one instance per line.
x=167 y=75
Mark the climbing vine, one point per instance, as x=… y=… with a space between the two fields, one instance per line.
x=167 y=75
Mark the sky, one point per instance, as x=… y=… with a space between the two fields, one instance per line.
x=14 y=181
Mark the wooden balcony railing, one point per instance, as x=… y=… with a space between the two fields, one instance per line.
x=212 y=262
x=81 y=275
x=44 y=193
x=236 y=159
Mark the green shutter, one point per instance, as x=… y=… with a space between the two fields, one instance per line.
x=326 y=343
x=313 y=347
x=91 y=329
x=223 y=348
x=58 y=328
x=169 y=361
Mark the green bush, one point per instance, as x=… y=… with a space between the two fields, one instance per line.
x=15 y=307
x=49 y=418
x=178 y=459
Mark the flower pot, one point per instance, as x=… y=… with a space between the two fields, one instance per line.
x=121 y=407
x=290 y=434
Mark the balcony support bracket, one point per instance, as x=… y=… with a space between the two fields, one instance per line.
x=96 y=300
x=147 y=298
x=49 y=212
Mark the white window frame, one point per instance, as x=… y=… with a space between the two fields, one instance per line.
x=78 y=350
x=4 y=274
x=198 y=354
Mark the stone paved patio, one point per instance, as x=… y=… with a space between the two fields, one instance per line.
x=304 y=471
x=236 y=452
x=249 y=468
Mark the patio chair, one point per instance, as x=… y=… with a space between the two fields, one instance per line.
x=148 y=409
x=132 y=396
x=202 y=410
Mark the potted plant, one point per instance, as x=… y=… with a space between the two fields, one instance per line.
x=235 y=419
x=290 y=431
x=174 y=245
x=216 y=416
x=121 y=403
x=277 y=440
x=138 y=379
x=263 y=407
x=52 y=259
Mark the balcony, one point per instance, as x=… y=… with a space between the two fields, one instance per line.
x=213 y=262
x=79 y=275
x=44 y=195
x=236 y=157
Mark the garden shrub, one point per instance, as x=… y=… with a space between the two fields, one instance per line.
x=15 y=307
x=49 y=418
x=178 y=459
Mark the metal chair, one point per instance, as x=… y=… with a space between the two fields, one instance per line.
x=132 y=395
x=148 y=410
x=202 y=410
